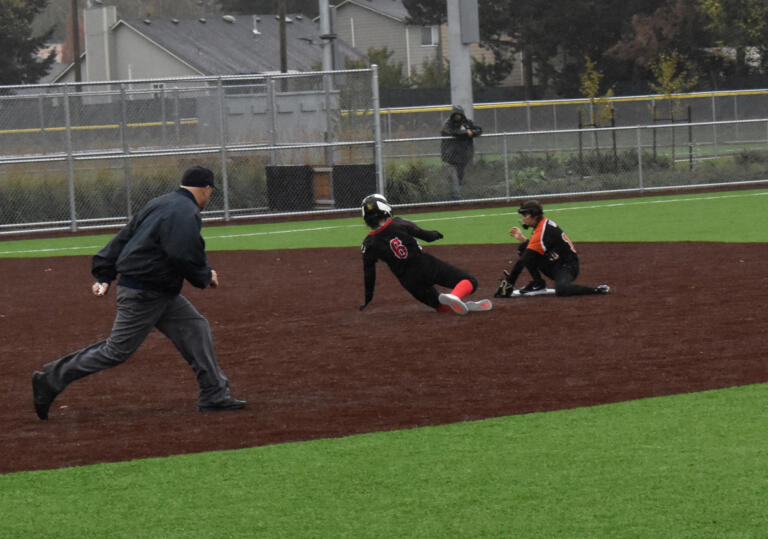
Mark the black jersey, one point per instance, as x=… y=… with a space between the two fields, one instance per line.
x=549 y=240
x=549 y=246
x=394 y=242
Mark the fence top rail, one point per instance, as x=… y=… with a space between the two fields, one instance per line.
x=216 y=78
x=190 y=150
x=591 y=129
x=575 y=101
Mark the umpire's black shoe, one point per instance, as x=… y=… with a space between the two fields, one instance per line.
x=230 y=403
x=43 y=394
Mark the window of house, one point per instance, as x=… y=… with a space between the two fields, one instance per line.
x=429 y=35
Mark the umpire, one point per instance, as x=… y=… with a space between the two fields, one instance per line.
x=153 y=254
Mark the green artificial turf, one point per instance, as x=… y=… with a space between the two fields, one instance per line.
x=733 y=217
x=682 y=466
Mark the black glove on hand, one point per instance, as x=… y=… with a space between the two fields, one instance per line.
x=434 y=235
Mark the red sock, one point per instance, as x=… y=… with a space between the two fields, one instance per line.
x=464 y=288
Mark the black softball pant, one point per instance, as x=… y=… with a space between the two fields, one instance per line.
x=426 y=271
x=564 y=273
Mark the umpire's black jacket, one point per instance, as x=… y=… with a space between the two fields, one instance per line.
x=159 y=248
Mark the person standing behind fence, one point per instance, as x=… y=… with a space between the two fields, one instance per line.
x=458 y=150
x=153 y=254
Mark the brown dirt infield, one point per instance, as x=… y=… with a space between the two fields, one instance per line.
x=684 y=317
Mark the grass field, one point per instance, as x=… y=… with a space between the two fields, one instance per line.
x=681 y=466
x=697 y=217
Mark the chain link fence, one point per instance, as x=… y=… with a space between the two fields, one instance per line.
x=89 y=156
x=581 y=161
x=560 y=114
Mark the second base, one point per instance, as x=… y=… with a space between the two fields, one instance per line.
x=542 y=292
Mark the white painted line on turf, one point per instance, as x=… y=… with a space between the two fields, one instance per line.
x=50 y=250
x=421 y=220
x=270 y=232
x=598 y=206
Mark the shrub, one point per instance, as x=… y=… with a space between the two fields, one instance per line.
x=413 y=181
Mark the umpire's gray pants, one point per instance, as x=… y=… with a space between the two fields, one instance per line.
x=138 y=311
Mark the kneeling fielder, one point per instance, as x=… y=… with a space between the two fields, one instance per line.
x=548 y=252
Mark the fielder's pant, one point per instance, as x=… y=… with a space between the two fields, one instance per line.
x=138 y=311
x=564 y=274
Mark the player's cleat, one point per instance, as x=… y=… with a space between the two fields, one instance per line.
x=482 y=305
x=230 y=403
x=43 y=394
x=602 y=289
x=456 y=305
x=533 y=288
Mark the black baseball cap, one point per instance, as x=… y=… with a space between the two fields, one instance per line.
x=531 y=207
x=197 y=176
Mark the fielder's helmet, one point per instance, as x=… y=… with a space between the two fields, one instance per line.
x=374 y=208
x=531 y=207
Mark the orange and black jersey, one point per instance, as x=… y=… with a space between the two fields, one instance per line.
x=548 y=244
x=549 y=240
x=395 y=243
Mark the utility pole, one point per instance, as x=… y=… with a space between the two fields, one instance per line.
x=463 y=30
x=283 y=52
x=326 y=35
x=76 y=39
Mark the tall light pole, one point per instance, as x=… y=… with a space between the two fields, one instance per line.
x=463 y=30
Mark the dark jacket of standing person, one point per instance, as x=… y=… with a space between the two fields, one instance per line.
x=459 y=149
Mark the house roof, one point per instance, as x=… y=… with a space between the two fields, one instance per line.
x=56 y=70
x=228 y=45
x=390 y=8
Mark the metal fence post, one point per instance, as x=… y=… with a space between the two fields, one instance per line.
x=528 y=123
x=272 y=107
x=41 y=112
x=177 y=116
x=164 y=120
x=714 y=125
x=70 y=162
x=377 y=128
x=639 y=158
x=126 y=150
x=330 y=157
x=506 y=166
x=554 y=125
x=223 y=150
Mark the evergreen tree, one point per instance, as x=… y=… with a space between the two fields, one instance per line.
x=390 y=74
x=19 y=61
